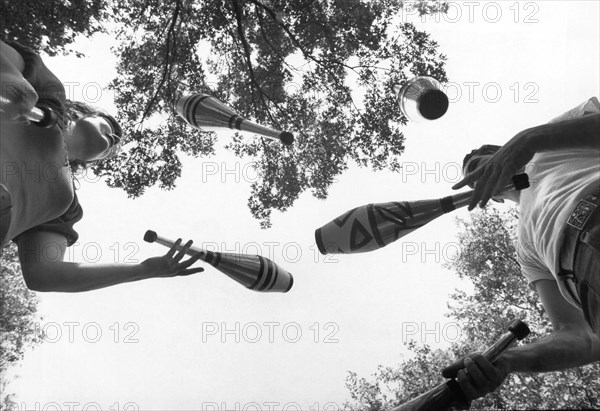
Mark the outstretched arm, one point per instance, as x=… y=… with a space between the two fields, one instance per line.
x=582 y=132
x=490 y=178
x=571 y=343
x=41 y=254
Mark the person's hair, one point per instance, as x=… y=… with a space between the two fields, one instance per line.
x=75 y=110
x=484 y=150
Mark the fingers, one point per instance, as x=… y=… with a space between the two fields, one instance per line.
x=191 y=271
x=480 y=179
x=491 y=373
x=189 y=262
x=451 y=370
x=173 y=249
x=489 y=180
x=500 y=184
x=481 y=185
x=467 y=388
x=177 y=268
x=192 y=259
x=479 y=377
x=182 y=268
x=470 y=179
x=183 y=250
x=460 y=184
x=485 y=193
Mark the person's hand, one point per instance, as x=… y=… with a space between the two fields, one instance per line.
x=171 y=264
x=496 y=172
x=476 y=376
x=17 y=99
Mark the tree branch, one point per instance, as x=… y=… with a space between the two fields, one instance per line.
x=305 y=53
x=246 y=47
x=265 y=37
x=167 y=62
x=240 y=29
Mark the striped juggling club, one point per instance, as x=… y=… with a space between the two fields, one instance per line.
x=252 y=271
x=207 y=113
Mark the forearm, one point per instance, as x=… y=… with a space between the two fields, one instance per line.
x=582 y=133
x=77 y=277
x=558 y=351
x=42 y=274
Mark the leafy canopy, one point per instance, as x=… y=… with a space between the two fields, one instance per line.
x=19 y=321
x=50 y=25
x=321 y=69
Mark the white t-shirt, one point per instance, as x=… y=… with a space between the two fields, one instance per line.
x=559 y=179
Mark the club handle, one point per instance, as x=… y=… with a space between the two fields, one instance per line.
x=516 y=331
x=448 y=394
x=152 y=237
x=285 y=137
x=42 y=116
x=519 y=182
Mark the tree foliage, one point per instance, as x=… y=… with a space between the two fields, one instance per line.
x=50 y=25
x=18 y=315
x=501 y=295
x=321 y=69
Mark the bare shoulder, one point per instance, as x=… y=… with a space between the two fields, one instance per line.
x=12 y=56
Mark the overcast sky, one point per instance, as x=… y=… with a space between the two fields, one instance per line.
x=205 y=342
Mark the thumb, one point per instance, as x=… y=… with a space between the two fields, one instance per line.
x=451 y=370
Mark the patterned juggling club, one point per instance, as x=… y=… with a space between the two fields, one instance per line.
x=207 y=113
x=373 y=226
x=448 y=395
x=252 y=271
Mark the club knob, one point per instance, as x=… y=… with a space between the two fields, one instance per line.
x=519 y=329
x=286 y=138
x=49 y=118
x=150 y=236
x=520 y=181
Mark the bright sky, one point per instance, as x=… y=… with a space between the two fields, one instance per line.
x=171 y=343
